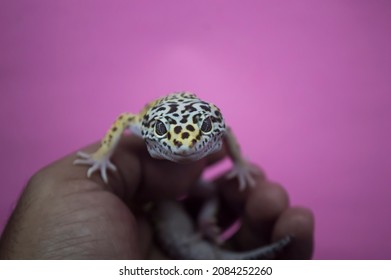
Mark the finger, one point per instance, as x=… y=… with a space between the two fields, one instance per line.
x=299 y=223
x=67 y=201
x=146 y=240
x=168 y=180
x=262 y=208
x=234 y=198
x=64 y=170
x=160 y=178
x=258 y=208
x=84 y=225
x=265 y=204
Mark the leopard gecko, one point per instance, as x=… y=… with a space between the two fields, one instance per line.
x=176 y=234
x=179 y=127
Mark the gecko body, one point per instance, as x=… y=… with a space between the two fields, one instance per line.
x=176 y=234
x=179 y=127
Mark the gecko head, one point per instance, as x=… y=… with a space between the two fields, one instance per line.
x=184 y=131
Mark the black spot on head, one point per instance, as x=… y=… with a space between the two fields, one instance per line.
x=184 y=119
x=185 y=135
x=189 y=127
x=190 y=108
x=168 y=135
x=171 y=121
x=193 y=141
x=177 y=129
x=149 y=123
x=161 y=108
x=173 y=108
x=175 y=115
x=205 y=108
x=114 y=129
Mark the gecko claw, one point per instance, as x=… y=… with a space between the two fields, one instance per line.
x=96 y=163
x=245 y=174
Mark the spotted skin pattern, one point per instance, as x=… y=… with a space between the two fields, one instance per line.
x=179 y=127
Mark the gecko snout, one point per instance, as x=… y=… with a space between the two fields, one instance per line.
x=185 y=148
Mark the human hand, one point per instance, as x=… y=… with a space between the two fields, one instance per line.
x=64 y=215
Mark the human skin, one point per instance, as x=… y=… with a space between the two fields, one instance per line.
x=62 y=214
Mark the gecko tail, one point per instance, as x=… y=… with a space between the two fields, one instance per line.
x=264 y=252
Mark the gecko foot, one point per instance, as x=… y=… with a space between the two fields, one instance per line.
x=96 y=162
x=245 y=173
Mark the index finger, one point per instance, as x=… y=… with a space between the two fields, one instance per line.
x=267 y=216
x=137 y=173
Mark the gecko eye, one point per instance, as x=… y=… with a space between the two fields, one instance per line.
x=206 y=126
x=160 y=128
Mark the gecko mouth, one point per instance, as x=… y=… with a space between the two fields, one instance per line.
x=160 y=152
x=187 y=153
x=188 y=157
x=193 y=155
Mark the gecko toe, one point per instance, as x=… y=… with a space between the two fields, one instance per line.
x=250 y=180
x=82 y=162
x=111 y=166
x=96 y=162
x=232 y=174
x=92 y=169
x=103 y=173
x=245 y=174
x=83 y=155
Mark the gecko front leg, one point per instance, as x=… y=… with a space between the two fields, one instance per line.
x=241 y=169
x=100 y=159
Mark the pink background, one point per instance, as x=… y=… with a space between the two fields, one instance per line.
x=305 y=85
